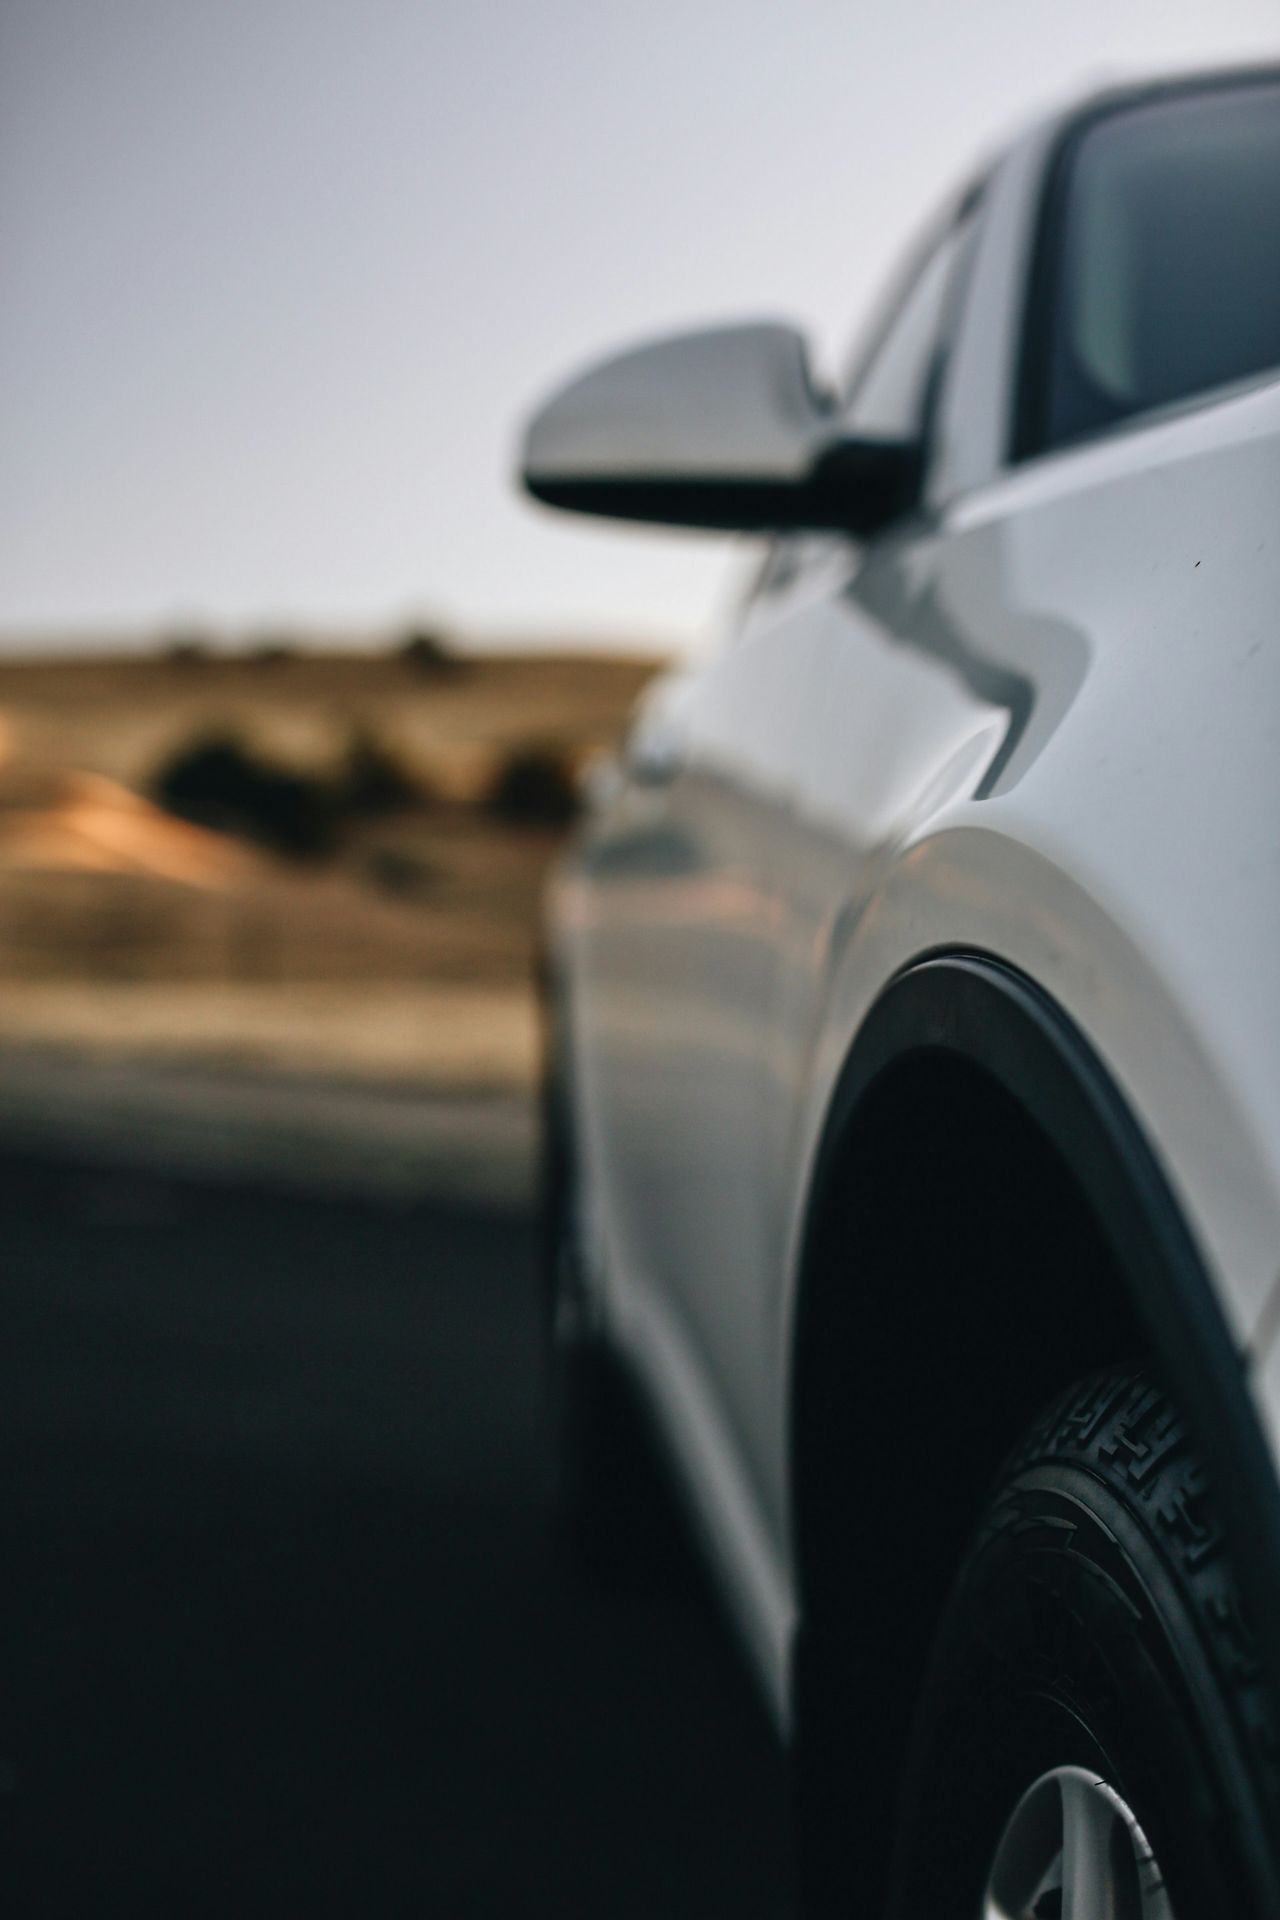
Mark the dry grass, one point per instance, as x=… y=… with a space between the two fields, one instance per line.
x=407 y=953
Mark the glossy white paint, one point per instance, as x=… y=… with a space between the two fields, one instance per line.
x=1041 y=721
x=710 y=405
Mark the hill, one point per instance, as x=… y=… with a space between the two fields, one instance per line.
x=403 y=922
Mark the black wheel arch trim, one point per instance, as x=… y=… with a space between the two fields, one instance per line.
x=983 y=1011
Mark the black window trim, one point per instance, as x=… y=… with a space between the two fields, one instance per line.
x=910 y=271
x=1027 y=439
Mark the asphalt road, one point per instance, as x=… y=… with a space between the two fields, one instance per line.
x=285 y=1631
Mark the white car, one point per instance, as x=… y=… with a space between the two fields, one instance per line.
x=914 y=1012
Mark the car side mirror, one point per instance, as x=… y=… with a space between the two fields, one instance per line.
x=719 y=429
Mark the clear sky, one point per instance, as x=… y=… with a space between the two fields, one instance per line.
x=280 y=277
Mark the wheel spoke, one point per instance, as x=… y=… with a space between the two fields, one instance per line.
x=1089 y=1890
x=1073 y=1850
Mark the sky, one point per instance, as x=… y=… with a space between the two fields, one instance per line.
x=281 y=278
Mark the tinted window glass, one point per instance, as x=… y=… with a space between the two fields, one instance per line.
x=892 y=392
x=1167 y=279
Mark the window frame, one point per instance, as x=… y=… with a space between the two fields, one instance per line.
x=1028 y=437
x=941 y=231
x=782 y=564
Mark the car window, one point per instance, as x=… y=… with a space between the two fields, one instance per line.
x=893 y=387
x=1163 y=273
x=892 y=394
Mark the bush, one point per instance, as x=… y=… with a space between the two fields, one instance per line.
x=400 y=872
x=534 y=787
x=375 y=781
x=186 y=650
x=429 y=653
x=218 y=782
x=271 y=653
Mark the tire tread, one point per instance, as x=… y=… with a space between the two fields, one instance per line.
x=1122 y=1427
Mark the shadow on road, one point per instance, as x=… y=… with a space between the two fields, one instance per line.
x=284 y=1632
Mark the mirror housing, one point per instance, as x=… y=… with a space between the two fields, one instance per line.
x=718 y=429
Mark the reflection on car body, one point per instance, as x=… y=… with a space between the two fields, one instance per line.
x=914 y=1080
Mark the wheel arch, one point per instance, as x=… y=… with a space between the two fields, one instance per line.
x=970 y=1115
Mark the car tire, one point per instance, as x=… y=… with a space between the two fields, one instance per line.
x=1094 y=1688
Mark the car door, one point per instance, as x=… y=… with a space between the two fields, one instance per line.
x=705 y=912
x=677 y=978
x=883 y=716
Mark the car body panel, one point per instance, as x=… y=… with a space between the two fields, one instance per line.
x=1040 y=721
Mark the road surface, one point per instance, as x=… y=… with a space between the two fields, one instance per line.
x=284 y=1631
